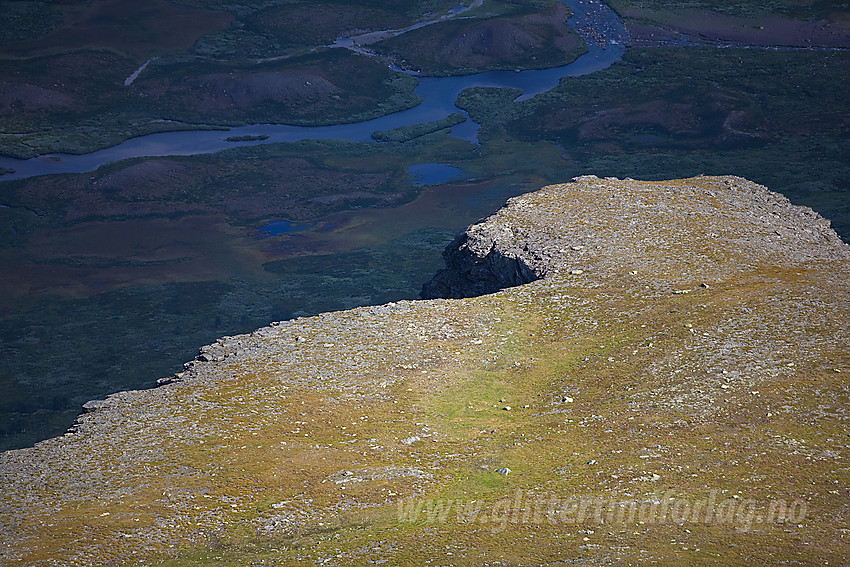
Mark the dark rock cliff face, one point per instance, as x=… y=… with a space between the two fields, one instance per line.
x=483 y=259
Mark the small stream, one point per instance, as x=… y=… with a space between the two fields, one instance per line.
x=598 y=24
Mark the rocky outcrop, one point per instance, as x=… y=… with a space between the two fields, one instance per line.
x=529 y=238
x=684 y=338
x=483 y=259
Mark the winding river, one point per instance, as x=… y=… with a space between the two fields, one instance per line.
x=598 y=24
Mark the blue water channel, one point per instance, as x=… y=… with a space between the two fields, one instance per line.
x=598 y=24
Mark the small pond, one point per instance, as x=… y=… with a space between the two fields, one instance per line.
x=433 y=173
x=278 y=227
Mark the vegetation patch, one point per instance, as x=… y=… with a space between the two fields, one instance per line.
x=534 y=40
x=322 y=23
x=800 y=9
x=158 y=27
x=165 y=236
x=407 y=133
x=806 y=24
x=247 y=138
x=644 y=118
x=24 y=20
x=94 y=109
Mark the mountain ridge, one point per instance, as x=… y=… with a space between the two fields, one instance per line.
x=679 y=339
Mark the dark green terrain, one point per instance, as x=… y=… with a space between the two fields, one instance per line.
x=65 y=73
x=112 y=279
